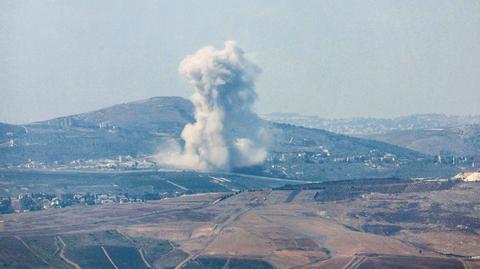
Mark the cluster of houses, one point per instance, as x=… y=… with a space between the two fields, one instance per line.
x=39 y=201
x=122 y=162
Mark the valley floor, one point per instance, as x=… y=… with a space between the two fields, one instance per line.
x=417 y=227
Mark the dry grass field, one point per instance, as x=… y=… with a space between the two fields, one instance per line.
x=419 y=228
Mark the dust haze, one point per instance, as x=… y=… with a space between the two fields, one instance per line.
x=226 y=133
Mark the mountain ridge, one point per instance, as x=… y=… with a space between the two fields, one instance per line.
x=433 y=134
x=140 y=128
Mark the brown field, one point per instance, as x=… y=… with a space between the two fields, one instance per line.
x=434 y=229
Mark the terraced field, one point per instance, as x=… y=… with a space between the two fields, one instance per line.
x=389 y=224
x=15 y=254
x=48 y=248
x=126 y=257
x=226 y=263
x=104 y=249
x=88 y=256
x=396 y=261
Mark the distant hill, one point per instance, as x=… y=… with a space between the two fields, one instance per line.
x=458 y=141
x=433 y=134
x=157 y=114
x=374 y=126
x=9 y=132
x=307 y=153
x=140 y=128
x=133 y=128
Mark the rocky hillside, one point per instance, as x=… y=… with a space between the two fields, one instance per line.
x=140 y=128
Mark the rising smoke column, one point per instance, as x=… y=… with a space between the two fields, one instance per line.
x=226 y=133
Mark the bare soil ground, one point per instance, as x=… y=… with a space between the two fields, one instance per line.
x=433 y=228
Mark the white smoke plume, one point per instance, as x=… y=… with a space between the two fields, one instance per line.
x=226 y=133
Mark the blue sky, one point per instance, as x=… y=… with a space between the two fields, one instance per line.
x=327 y=58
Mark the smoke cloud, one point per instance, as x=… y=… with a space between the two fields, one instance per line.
x=226 y=133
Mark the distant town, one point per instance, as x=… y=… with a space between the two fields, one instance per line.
x=26 y=202
x=121 y=163
x=282 y=163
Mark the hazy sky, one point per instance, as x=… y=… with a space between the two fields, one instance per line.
x=328 y=58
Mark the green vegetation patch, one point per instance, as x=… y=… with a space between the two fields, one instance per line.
x=85 y=249
x=47 y=248
x=109 y=237
x=88 y=257
x=14 y=254
x=212 y=262
x=153 y=249
x=205 y=262
x=171 y=259
x=248 y=263
x=126 y=257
